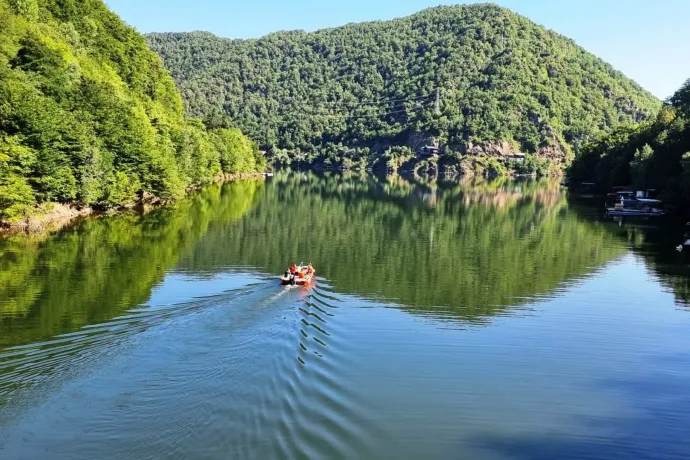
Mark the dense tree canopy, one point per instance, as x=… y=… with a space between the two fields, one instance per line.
x=654 y=154
x=364 y=87
x=89 y=115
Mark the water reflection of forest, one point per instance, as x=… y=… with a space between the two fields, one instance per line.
x=99 y=268
x=657 y=245
x=463 y=249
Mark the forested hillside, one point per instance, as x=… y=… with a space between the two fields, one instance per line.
x=654 y=154
x=89 y=115
x=338 y=95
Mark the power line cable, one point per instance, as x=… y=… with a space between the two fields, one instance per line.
x=378 y=115
x=353 y=105
x=364 y=111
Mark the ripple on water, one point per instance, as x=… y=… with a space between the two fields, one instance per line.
x=51 y=362
x=306 y=410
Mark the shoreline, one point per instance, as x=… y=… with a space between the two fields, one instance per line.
x=51 y=217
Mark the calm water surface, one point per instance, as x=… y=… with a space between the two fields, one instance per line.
x=450 y=321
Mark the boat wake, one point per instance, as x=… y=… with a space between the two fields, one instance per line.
x=261 y=371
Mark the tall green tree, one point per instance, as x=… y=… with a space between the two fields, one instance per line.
x=639 y=166
x=89 y=115
x=681 y=99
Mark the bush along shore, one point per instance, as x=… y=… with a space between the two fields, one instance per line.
x=49 y=217
x=90 y=119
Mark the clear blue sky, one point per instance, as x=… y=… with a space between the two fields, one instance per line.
x=648 y=40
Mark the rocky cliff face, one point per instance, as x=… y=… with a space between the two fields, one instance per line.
x=505 y=148
x=494 y=149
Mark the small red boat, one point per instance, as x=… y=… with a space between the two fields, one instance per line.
x=298 y=275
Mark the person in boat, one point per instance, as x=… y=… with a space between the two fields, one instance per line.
x=293 y=269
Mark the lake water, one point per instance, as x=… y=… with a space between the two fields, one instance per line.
x=449 y=321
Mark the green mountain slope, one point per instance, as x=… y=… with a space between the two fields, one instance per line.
x=506 y=84
x=89 y=115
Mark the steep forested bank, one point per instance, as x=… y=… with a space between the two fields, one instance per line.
x=357 y=94
x=654 y=154
x=88 y=114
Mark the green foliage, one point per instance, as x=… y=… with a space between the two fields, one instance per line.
x=120 y=188
x=532 y=165
x=490 y=167
x=26 y=8
x=89 y=115
x=199 y=161
x=343 y=156
x=238 y=154
x=395 y=157
x=16 y=197
x=502 y=78
x=648 y=155
x=280 y=157
x=681 y=99
x=639 y=166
